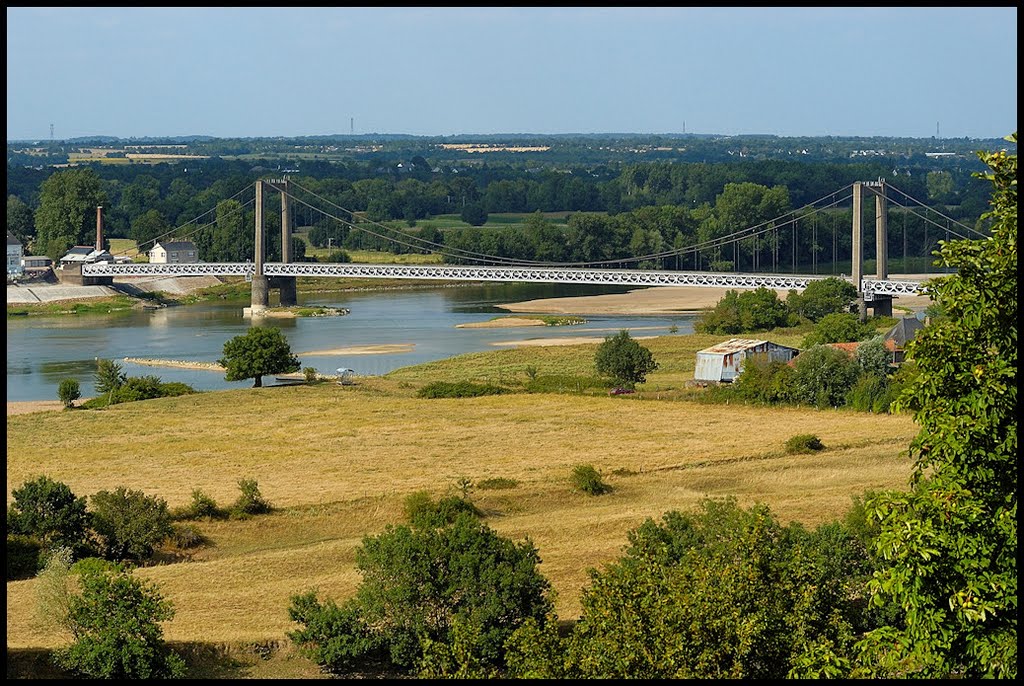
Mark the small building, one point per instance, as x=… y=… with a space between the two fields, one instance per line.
x=174 y=252
x=36 y=262
x=896 y=338
x=15 y=253
x=85 y=254
x=724 y=362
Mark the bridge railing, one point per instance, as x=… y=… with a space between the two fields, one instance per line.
x=625 y=277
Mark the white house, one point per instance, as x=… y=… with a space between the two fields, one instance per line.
x=85 y=254
x=15 y=252
x=174 y=252
x=724 y=362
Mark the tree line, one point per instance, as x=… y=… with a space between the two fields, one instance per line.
x=621 y=211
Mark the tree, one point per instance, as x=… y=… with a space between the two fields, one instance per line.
x=839 y=327
x=624 y=360
x=68 y=392
x=474 y=214
x=49 y=511
x=115 y=623
x=721 y=593
x=108 y=378
x=424 y=585
x=822 y=376
x=259 y=351
x=19 y=219
x=147 y=228
x=129 y=523
x=67 y=210
x=951 y=541
x=822 y=297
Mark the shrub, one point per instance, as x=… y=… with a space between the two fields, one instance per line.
x=137 y=388
x=754 y=310
x=68 y=392
x=823 y=376
x=115 y=624
x=108 y=377
x=588 y=480
x=186 y=536
x=22 y=556
x=201 y=507
x=804 y=443
x=418 y=585
x=310 y=374
x=173 y=389
x=250 y=501
x=822 y=297
x=838 y=328
x=764 y=381
x=421 y=511
x=624 y=360
x=49 y=511
x=129 y=523
x=870 y=393
x=459 y=389
x=723 y=593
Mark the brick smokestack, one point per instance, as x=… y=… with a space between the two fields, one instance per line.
x=99 y=227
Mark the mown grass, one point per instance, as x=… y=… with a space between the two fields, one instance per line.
x=102 y=305
x=338 y=462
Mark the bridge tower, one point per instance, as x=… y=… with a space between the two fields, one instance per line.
x=881 y=304
x=262 y=284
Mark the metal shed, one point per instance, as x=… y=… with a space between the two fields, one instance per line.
x=724 y=362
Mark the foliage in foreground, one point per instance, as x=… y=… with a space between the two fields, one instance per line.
x=721 y=593
x=115 y=624
x=952 y=540
x=424 y=590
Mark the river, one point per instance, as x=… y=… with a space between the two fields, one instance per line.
x=44 y=350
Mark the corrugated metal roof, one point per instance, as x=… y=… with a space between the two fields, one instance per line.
x=733 y=345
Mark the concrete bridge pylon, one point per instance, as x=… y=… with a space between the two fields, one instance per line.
x=261 y=284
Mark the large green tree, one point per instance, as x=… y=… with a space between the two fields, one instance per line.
x=951 y=541
x=67 y=211
x=624 y=360
x=19 y=219
x=259 y=351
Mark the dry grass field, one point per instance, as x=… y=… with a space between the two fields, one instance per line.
x=337 y=462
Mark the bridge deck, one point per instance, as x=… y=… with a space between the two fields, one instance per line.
x=626 y=277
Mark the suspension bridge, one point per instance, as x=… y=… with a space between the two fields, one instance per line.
x=875 y=291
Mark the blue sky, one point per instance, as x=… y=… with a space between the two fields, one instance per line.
x=246 y=72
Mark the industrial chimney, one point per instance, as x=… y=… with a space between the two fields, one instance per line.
x=99 y=228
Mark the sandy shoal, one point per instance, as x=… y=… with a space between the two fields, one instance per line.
x=501 y=323
x=666 y=300
x=567 y=340
x=27 y=406
x=381 y=349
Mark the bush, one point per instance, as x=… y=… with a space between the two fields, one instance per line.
x=250 y=501
x=23 y=556
x=421 y=511
x=173 y=389
x=823 y=376
x=129 y=523
x=459 y=389
x=186 y=536
x=419 y=584
x=624 y=360
x=137 y=388
x=804 y=443
x=68 y=392
x=201 y=507
x=588 y=480
x=115 y=623
x=764 y=381
x=723 y=593
x=310 y=374
x=754 y=310
x=49 y=511
x=838 y=328
x=870 y=393
x=822 y=297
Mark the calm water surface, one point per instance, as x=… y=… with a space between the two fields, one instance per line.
x=42 y=351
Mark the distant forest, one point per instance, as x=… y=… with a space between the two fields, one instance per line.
x=620 y=197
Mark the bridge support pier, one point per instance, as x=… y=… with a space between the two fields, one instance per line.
x=260 y=294
x=286 y=287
